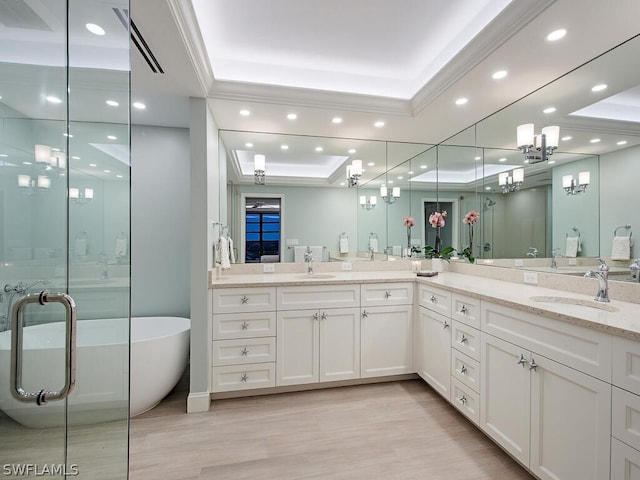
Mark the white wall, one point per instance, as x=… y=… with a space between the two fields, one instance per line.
x=160 y=242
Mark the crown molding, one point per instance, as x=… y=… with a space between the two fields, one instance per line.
x=511 y=20
x=188 y=28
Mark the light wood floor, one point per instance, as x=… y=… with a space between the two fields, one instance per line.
x=400 y=430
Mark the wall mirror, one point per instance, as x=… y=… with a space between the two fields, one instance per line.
x=464 y=173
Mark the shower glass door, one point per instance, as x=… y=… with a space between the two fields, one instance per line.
x=64 y=228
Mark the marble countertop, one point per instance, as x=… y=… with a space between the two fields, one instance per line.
x=617 y=317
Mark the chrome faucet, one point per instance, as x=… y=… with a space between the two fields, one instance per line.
x=602 y=274
x=104 y=262
x=308 y=257
x=371 y=253
x=533 y=252
x=635 y=270
x=555 y=253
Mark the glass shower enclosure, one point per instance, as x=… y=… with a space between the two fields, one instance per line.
x=64 y=238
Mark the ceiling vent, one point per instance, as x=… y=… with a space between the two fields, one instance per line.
x=17 y=14
x=138 y=40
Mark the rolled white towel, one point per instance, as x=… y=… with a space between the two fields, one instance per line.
x=344 y=245
x=621 y=248
x=223 y=248
x=232 y=254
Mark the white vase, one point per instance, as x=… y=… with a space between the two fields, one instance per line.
x=437 y=264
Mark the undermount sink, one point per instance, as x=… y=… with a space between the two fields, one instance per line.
x=317 y=276
x=575 y=301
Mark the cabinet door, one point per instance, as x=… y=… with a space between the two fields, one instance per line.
x=570 y=423
x=339 y=344
x=625 y=461
x=297 y=357
x=387 y=347
x=505 y=395
x=435 y=350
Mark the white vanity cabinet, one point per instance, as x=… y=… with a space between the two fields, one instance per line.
x=244 y=343
x=318 y=334
x=386 y=329
x=433 y=346
x=625 y=414
x=553 y=418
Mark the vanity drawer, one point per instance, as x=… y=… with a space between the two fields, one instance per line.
x=435 y=299
x=465 y=309
x=375 y=294
x=625 y=417
x=465 y=369
x=243 y=377
x=465 y=339
x=318 y=296
x=243 y=351
x=465 y=400
x=578 y=347
x=235 y=300
x=244 y=325
x=625 y=461
x=626 y=364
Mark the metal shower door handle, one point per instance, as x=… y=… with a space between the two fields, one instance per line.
x=17 y=324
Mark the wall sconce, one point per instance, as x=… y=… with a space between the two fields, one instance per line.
x=81 y=196
x=395 y=194
x=29 y=184
x=537 y=148
x=570 y=186
x=259 y=164
x=354 y=171
x=368 y=203
x=511 y=181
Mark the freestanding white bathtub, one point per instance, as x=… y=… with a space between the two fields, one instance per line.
x=159 y=354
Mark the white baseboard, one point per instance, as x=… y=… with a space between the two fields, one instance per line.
x=198 y=402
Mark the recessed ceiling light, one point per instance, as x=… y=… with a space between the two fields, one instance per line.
x=139 y=105
x=75 y=157
x=336 y=120
x=499 y=74
x=526 y=161
x=319 y=149
x=599 y=87
x=292 y=116
x=67 y=135
x=549 y=110
x=55 y=149
x=4 y=155
x=248 y=145
x=92 y=165
x=400 y=177
x=502 y=159
x=371 y=164
x=410 y=172
x=118 y=176
x=112 y=103
x=284 y=147
x=462 y=101
x=556 y=35
x=477 y=159
x=379 y=124
x=594 y=140
x=622 y=142
x=107 y=171
x=567 y=138
x=245 y=113
x=52 y=99
x=27 y=163
x=95 y=29
x=551 y=162
x=423 y=166
x=112 y=137
x=487 y=188
x=352 y=150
